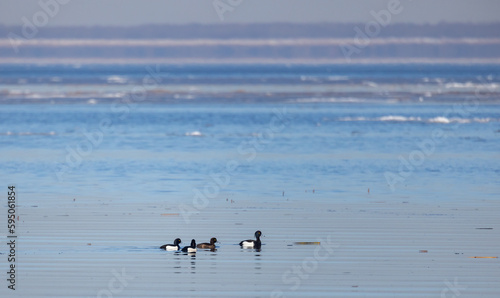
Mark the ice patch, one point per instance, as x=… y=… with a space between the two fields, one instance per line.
x=116 y=80
x=439 y=120
x=354 y=119
x=338 y=78
x=370 y=84
x=309 y=78
x=471 y=85
x=482 y=120
x=194 y=134
x=328 y=99
x=399 y=118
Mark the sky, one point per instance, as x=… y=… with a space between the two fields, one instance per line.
x=140 y=12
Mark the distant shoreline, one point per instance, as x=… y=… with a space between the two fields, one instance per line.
x=339 y=61
x=252 y=43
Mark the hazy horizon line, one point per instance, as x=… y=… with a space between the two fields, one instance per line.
x=266 y=23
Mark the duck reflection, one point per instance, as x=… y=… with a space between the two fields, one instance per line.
x=180 y=261
x=193 y=262
x=258 y=259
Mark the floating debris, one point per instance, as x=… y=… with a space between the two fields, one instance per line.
x=483 y=257
x=423 y=251
x=307 y=243
x=169 y=214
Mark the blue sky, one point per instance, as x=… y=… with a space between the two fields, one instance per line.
x=137 y=12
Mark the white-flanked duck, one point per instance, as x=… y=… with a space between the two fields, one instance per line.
x=191 y=248
x=252 y=243
x=174 y=246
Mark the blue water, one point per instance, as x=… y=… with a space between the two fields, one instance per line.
x=243 y=73
x=315 y=141
x=377 y=163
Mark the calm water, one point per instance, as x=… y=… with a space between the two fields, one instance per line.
x=376 y=162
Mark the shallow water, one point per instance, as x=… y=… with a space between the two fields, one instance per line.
x=367 y=249
x=375 y=181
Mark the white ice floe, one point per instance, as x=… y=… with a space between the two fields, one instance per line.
x=482 y=120
x=471 y=85
x=194 y=134
x=309 y=78
x=328 y=99
x=399 y=118
x=116 y=80
x=370 y=84
x=439 y=120
x=338 y=78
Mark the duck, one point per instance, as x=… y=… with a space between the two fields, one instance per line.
x=191 y=248
x=174 y=246
x=210 y=245
x=252 y=243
